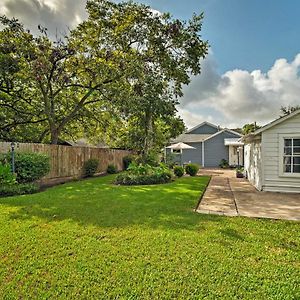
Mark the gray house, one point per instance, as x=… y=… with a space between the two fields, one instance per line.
x=211 y=143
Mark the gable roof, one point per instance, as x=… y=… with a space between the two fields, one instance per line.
x=191 y=138
x=221 y=131
x=276 y=122
x=197 y=138
x=202 y=124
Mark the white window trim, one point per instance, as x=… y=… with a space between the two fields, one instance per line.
x=282 y=137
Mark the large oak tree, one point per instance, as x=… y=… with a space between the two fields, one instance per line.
x=108 y=64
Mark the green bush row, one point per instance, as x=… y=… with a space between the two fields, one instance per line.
x=141 y=174
x=18 y=189
x=132 y=179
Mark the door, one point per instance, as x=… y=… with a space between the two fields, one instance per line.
x=234 y=152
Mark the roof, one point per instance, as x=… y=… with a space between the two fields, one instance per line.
x=233 y=142
x=191 y=138
x=221 y=131
x=197 y=138
x=276 y=122
x=200 y=125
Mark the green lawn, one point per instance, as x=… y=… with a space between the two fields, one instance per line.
x=93 y=240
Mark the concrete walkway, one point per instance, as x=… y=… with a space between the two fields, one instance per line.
x=231 y=196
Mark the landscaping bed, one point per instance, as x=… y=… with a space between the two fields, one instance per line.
x=95 y=240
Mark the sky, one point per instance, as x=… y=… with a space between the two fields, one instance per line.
x=253 y=66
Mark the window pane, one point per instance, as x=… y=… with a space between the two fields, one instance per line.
x=176 y=151
x=296 y=168
x=296 y=150
x=296 y=160
x=297 y=142
x=287 y=169
x=287 y=150
x=287 y=160
x=288 y=142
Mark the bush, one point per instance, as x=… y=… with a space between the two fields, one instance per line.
x=127 y=160
x=6 y=176
x=131 y=179
x=144 y=174
x=192 y=169
x=152 y=159
x=178 y=171
x=18 y=189
x=30 y=166
x=111 y=169
x=90 y=167
x=224 y=164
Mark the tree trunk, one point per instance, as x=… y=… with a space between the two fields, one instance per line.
x=54 y=136
x=148 y=134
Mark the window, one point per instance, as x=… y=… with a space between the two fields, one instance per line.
x=291 y=155
x=176 y=151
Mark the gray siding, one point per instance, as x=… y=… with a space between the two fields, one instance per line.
x=193 y=155
x=215 y=150
x=204 y=129
x=190 y=155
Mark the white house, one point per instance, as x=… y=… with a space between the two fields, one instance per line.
x=272 y=155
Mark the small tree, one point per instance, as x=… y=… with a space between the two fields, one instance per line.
x=286 y=110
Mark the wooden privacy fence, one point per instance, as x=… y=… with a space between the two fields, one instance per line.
x=66 y=162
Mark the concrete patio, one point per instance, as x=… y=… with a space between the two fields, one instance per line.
x=231 y=196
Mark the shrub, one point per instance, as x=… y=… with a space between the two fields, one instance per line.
x=144 y=174
x=224 y=164
x=29 y=166
x=18 y=189
x=170 y=160
x=127 y=160
x=6 y=176
x=111 y=169
x=152 y=159
x=178 y=171
x=90 y=167
x=131 y=179
x=192 y=169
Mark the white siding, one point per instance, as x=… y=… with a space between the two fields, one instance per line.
x=273 y=179
x=252 y=152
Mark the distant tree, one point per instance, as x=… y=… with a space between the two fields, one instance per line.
x=286 y=110
x=248 y=128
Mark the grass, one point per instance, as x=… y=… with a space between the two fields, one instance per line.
x=93 y=240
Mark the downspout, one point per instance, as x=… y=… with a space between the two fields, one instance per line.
x=203 y=162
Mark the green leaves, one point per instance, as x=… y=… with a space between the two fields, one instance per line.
x=123 y=60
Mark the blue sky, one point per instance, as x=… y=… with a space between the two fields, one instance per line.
x=243 y=34
x=253 y=67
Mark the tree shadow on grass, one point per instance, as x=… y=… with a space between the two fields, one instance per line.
x=100 y=203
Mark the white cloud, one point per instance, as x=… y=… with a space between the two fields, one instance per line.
x=231 y=99
x=239 y=96
x=56 y=15
x=193 y=119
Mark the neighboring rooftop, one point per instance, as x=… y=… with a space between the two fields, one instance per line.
x=191 y=138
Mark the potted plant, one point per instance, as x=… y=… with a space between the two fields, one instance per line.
x=240 y=172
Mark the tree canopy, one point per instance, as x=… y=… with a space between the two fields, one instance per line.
x=124 y=65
